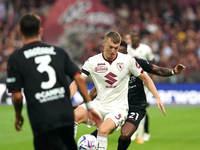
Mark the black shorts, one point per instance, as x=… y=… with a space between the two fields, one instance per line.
x=134 y=117
x=58 y=139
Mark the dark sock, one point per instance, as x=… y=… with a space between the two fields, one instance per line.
x=146 y=124
x=123 y=144
x=95 y=133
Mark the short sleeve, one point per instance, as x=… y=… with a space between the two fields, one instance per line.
x=86 y=69
x=135 y=68
x=14 y=79
x=146 y=66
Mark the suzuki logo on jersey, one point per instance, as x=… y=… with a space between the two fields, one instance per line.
x=120 y=66
x=110 y=76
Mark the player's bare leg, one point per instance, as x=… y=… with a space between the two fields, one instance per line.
x=106 y=127
x=80 y=116
x=126 y=132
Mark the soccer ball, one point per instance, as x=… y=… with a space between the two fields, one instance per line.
x=88 y=142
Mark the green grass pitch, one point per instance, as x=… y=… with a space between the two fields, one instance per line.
x=179 y=130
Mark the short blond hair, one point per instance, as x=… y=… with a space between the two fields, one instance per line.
x=114 y=36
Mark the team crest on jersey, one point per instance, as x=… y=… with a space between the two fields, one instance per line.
x=120 y=66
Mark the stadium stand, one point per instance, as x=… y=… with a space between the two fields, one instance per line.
x=170 y=28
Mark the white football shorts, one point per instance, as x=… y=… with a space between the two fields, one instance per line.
x=118 y=115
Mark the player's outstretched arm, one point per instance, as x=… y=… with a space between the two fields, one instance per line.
x=18 y=104
x=150 y=85
x=80 y=82
x=165 y=72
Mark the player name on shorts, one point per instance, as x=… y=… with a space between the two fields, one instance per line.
x=50 y=95
x=39 y=51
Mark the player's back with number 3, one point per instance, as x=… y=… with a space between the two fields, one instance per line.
x=41 y=69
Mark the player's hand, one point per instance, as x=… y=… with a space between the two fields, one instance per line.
x=161 y=106
x=178 y=68
x=94 y=117
x=19 y=120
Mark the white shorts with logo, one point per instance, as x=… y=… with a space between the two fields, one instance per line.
x=118 y=115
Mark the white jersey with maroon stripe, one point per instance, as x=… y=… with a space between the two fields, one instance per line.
x=143 y=51
x=111 y=79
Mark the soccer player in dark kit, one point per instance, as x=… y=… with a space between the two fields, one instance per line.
x=137 y=98
x=41 y=69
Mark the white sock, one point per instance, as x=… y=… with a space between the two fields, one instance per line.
x=140 y=128
x=140 y=131
x=103 y=142
x=75 y=129
x=133 y=137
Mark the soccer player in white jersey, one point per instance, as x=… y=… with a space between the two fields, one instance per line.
x=143 y=51
x=110 y=72
x=138 y=49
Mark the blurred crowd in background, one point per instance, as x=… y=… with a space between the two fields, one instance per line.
x=172 y=31
x=10 y=12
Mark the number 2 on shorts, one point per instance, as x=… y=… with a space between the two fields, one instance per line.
x=134 y=115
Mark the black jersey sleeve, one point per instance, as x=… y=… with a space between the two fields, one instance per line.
x=147 y=66
x=14 y=79
x=70 y=67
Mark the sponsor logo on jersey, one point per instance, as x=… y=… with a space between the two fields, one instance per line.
x=132 y=79
x=50 y=95
x=120 y=66
x=39 y=51
x=130 y=87
x=110 y=76
x=11 y=80
x=101 y=69
x=99 y=64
